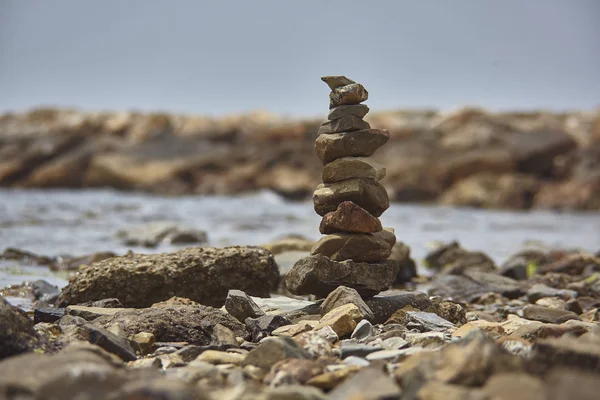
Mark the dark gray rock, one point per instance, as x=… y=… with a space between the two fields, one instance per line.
x=320 y=276
x=262 y=327
x=348 y=349
x=473 y=284
x=539 y=291
x=516 y=266
x=384 y=306
x=241 y=306
x=155 y=233
x=363 y=331
x=104 y=303
x=192 y=324
x=547 y=314
x=17 y=334
x=345 y=295
x=273 y=350
x=204 y=275
x=49 y=315
x=359 y=110
x=344 y=124
x=44 y=291
x=427 y=322
x=453 y=259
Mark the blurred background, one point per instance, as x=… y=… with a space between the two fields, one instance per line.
x=204 y=115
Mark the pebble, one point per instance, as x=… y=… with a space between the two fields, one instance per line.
x=363 y=331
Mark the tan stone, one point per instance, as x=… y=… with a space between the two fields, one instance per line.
x=352 y=167
x=353 y=93
x=145 y=341
x=341 y=319
x=344 y=124
x=360 y=110
x=492 y=328
x=336 y=81
x=221 y=357
x=366 y=193
x=350 y=218
x=295 y=329
x=350 y=144
x=359 y=247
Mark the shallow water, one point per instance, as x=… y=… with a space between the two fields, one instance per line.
x=54 y=223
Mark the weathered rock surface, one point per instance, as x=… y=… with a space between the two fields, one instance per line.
x=349 y=217
x=263 y=326
x=359 y=247
x=366 y=193
x=350 y=144
x=473 y=284
x=336 y=81
x=547 y=314
x=16 y=331
x=204 y=275
x=193 y=324
x=273 y=350
x=353 y=93
x=241 y=306
x=320 y=275
x=358 y=110
x=344 y=124
x=345 y=295
x=352 y=167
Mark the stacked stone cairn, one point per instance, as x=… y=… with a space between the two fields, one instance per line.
x=355 y=249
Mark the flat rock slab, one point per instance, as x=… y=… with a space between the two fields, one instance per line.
x=366 y=193
x=362 y=143
x=474 y=284
x=204 y=275
x=344 y=124
x=352 y=167
x=336 y=81
x=383 y=306
x=320 y=276
x=358 y=110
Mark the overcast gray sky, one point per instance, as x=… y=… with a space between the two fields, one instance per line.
x=234 y=56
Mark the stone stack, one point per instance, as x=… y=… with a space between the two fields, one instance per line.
x=355 y=249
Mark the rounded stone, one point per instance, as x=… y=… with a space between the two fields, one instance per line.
x=361 y=143
x=353 y=167
x=349 y=217
x=366 y=193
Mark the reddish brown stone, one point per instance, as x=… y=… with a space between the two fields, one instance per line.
x=349 y=217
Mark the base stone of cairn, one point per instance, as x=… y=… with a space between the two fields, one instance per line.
x=355 y=247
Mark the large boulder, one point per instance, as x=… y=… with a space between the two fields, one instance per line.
x=204 y=275
x=17 y=334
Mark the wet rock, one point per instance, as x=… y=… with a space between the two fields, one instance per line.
x=47 y=315
x=407 y=268
x=380 y=385
x=345 y=295
x=17 y=334
x=273 y=350
x=155 y=233
x=241 y=306
x=473 y=284
x=44 y=291
x=350 y=144
x=453 y=259
x=547 y=314
x=567 y=352
x=384 y=306
x=320 y=276
x=348 y=217
x=262 y=327
x=359 y=110
x=539 y=291
x=192 y=324
x=363 y=331
x=521 y=265
x=344 y=124
x=201 y=274
x=342 y=319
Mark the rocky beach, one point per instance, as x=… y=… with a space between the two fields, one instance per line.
x=160 y=256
